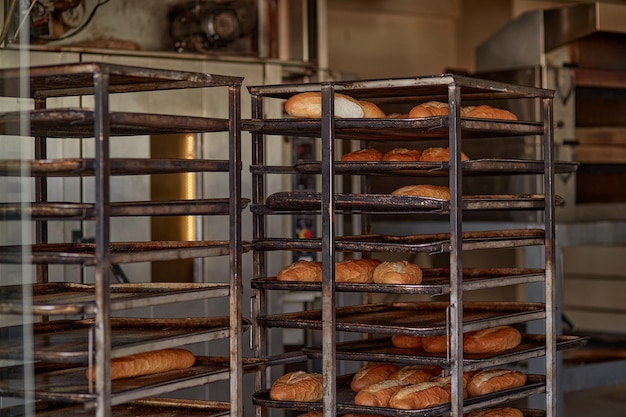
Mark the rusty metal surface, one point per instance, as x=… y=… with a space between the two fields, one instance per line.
x=71 y=298
x=78 y=79
x=120 y=252
x=431 y=243
x=345 y=401
x=417 y=319
x=381 y=349
x=68 y=340
x=393 y=129
x=79 y=123
x=472 y=167
x=435 y=281
x=86 y=211
x=301 y=200
x=119 y=166
x=148 y=407
x=67 y=384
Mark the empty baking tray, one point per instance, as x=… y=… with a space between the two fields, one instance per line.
x=62 y=383
x=426 y=243
x=68 y=340
x=419 y=319
x=145 y=407
x=72 y=298
x=439 y=169
x=74 y=167
x=300 y=200
x=345 y=400
x=380 y=349
x=86 y=211
x=120 y=252
x=435 y=281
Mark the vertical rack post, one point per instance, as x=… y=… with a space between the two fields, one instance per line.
x=102 y=261
x=456 y=246
x=328 y=253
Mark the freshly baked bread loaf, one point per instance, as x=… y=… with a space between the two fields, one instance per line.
x=371 y=373
x=492 y=380
x=496 y=412
x=367 y=154
x=398 y=116
x=414 y=374
x=397 y=272
x=487 y=112
x=361 y=270
x=308 y=271
x=425 y=190
x=405 y=341
x=147 y=363
x=379 y=394
x=309 y=105
x=429 y=109
x=371 y=110
x=446 y=382
x=492 y=340
x=403 y=154
x=418 y=396
x=297 y=386
x=436 y=154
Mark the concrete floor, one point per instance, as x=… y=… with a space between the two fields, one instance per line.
x=597 y=402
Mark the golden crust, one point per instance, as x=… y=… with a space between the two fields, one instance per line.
x=402 y=154
x=370 y=374
x=429 y=109
x=492 y=340
x=425 y=190
x=297 y=386
x=487 y=112
x=436 y=154
x=360 y=270
x=415 y=374
x=371 y=110
x=379 y=394
x=496 y=412
x=367 y=154
x=398 y=272
x=418 y=396
x=406 y=342
x=309 y=105
x=493 y=380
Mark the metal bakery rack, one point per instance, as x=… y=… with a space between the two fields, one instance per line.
x=380 y=320
x=63 y=349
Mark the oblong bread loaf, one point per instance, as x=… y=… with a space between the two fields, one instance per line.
x=414 y=374
x=358 y=271
x=402 y=154
x=397 y=272
x=492 y=340
x=309 y=105
x=307 y=271
x=379 y=394
x=437 y=154
x=367 y=154
x=406 y=341
x=425 y=190
x=371 y=110
x=493 y=380
x=297 y=386
x=429 y=109
x=370 y=374
x=418 y=396
x=147 y=363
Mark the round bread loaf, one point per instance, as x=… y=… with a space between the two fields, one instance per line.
x=436 y=154
x=379 y=394
x=403 y=154
x=414 y=374
x=309 y=105
x=493 y=380
x=429 y=109
x=307 y=271
x=297 y=386
x=496 y=412
x=425 y=190
x=406 y=342
x=418 y=396
x=371 y=110
x=371 y=373
x=359 y=271
x=397 y=272
x=487 y=112
x=367 y=155
x=492 y=340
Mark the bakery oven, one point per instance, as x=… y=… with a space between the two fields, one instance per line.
x=578 y=51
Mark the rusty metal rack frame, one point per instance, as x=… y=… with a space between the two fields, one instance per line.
x=100 y=80
x=449 y=88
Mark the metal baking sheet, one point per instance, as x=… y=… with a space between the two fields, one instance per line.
x=345 y=400
x=426 y=243
x=68 y=340
x=74 y=167
x=418 y=319
x=86 y=211
x=146 y=407
x=393 y=129
x=301 y=200
x=440 y=169
x=71 y=298
x=79 y=123
x=381 y=349
x=62 y=383
x=435 y=281
x=120 y=252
